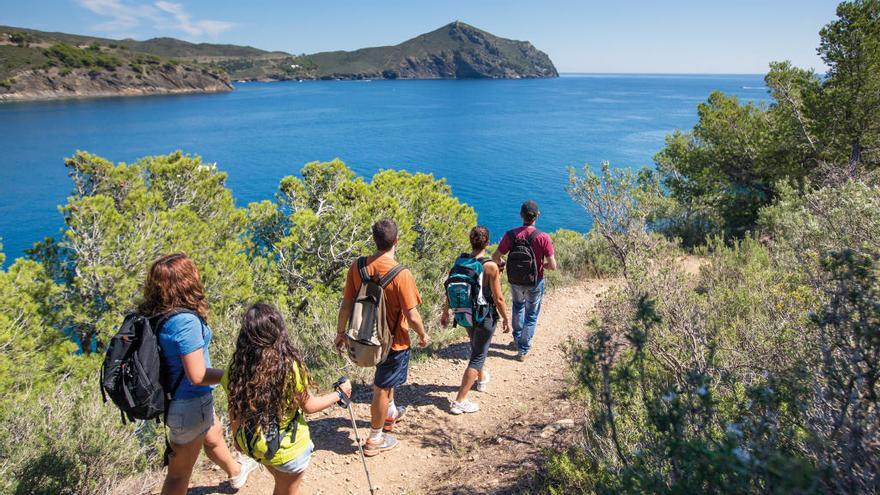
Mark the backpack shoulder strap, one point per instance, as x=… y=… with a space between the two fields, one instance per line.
x=384 y=281
x=163 y=318
x=535 y=233
x=362 y=269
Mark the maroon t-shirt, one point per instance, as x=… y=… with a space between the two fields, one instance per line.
x=541 y=245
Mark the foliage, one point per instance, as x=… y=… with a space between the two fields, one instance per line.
x=737 y=157
x=32 y=356
x=621 y=204
x=73 y=57
x=21 y=38
x=59 y=307
x=579 y=256
x=757 y=375
x=321 y=222
x=65 y=442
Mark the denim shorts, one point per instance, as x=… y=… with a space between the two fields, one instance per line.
x=299 y=464
x=189 y=418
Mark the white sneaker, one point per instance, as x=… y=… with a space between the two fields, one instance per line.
x=464 y=406
x=481 y=384
x=247 y=465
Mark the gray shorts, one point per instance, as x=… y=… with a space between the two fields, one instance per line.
x=189 y=418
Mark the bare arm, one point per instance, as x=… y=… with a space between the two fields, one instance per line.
x=494 y=276
x=314 y=403
x=415 y=322
x=550 y=262
x=342 y=320
x=197 y=372
x=496 y=257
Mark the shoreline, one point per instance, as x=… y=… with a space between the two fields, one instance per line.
x=57 y=96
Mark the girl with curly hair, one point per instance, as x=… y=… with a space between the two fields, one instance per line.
x=174 y=294
x=267 y=384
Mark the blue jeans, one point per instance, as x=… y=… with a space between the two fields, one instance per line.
x=526 y=306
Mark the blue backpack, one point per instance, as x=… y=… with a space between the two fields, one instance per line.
x=464 y=291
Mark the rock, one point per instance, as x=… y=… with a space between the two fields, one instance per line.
x=564 y=423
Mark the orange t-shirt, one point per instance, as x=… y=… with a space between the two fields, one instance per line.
x=401 y=294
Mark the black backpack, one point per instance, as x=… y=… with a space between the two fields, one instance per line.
x=522 y=265
x=132 y=375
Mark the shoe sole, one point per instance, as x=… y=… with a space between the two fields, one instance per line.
x=375 y=452
x=458 y=412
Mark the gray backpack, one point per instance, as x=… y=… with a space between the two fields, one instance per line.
x=369 y=336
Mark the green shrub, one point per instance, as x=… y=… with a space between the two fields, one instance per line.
x=21 y=39
x=759 y=375
x=68 y=442
x=579 y=256
x=73 y=57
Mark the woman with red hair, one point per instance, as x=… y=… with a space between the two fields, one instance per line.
x=173 y=287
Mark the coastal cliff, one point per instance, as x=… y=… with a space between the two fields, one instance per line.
x=53 y=83
x=455 y=51
x=38 y=65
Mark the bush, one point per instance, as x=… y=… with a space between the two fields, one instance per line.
x=293 y=253
x=579 y=256
x=759 y=375
x=68 y=442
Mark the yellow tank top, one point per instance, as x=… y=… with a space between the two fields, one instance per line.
x=288 y=450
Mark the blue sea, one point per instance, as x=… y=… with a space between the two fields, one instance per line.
x=497 y=143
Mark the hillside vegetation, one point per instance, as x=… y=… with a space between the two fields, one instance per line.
x=455 y=51
x=759 y=374
x=762 y=373
x=36 y=65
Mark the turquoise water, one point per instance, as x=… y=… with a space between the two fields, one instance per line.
x=496 y=142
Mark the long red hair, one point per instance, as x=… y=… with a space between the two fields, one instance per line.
x=173 y=282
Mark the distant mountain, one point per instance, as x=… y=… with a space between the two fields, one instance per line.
x=455 y=51
x=36 y=64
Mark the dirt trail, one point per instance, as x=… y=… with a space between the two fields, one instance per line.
x=491 y=451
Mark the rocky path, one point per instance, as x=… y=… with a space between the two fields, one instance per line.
x=491 y=451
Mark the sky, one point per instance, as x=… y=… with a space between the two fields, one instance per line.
x=618 y=36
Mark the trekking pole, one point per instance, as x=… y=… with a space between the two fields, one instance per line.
x=346 y=402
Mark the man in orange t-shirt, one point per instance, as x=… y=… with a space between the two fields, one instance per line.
x=401 y=300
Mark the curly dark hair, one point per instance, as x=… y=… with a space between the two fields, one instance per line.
x=479 y=237
x=262 y=380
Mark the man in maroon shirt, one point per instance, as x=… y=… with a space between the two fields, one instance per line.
x=527 y=297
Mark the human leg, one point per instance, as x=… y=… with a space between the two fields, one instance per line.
x=289 y=476
x=287 y=483
x=379 y=406
x=532 y=309
x=218 y=452
x=391 y=373
x=518 y=304
x=180 y=466
x=188 y=422
x=481 y=337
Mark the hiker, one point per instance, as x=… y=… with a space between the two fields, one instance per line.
x=529 y=252
x=488 y=306
x=401 y=301
x=172 y=285
x=267 y=385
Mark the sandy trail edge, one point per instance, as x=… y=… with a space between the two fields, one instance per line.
x=491 y=451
